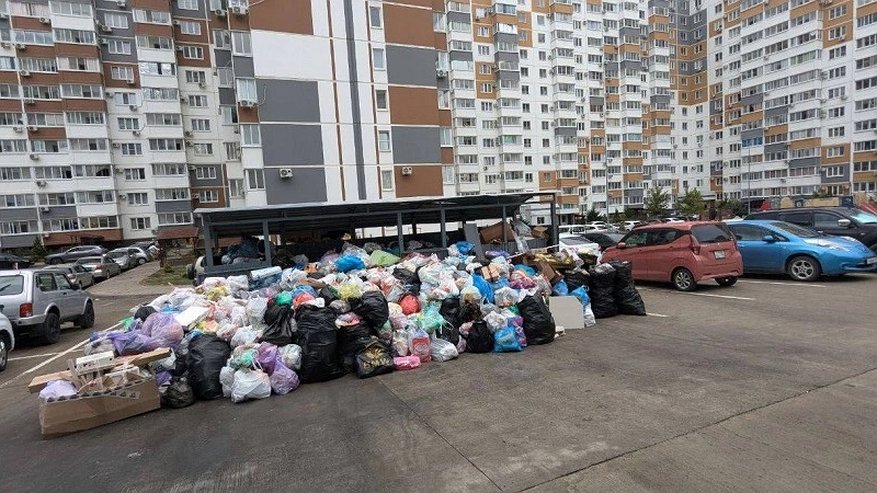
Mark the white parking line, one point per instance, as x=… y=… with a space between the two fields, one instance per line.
x=718 y=296
x=659 y=315
x=780 y=283
x=32 y=356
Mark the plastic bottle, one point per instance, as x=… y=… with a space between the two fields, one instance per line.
x=418 y=344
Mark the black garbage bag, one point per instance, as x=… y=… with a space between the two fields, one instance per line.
x=479 y=340
x=539 y=325
x=602 y=291
x=372 y=307
x=352 y=340
x=281 y=325
x=178 y=394
x=627 y=298
x=328 y=294
x=181 y=363
x=451 y=311
x=317 y=337
x=410 y=281
x=575 y=279
x=374 y=359
x=207 y=356
x=469 y=312
x=143 y=312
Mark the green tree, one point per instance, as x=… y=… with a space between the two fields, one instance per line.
x=656 y=201
x=690 y=203
x=593 y=215
x=38 y=251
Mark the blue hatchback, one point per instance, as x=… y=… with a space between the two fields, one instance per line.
x=770 y=247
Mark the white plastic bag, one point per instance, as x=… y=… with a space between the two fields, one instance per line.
x=400 y=342
x=442 y=350
x=250 y=384
x=590 y=320
x=245 y=335
x=226 y=378
x=238 y=283
x=256 y=308
x=291 y=356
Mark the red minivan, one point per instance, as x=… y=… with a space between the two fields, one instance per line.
x=682 y=253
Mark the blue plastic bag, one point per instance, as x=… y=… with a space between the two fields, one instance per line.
x=500 y=283
x=464 y=247
x=506 y=340
x=560 y=288
x=581 y=293
x=302 y=288
x=483 y=287
x=348 y=263
x=526 y=269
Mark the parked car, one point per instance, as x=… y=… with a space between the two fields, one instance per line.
x=576 y=242
x=776 y=247
x=38 y=301
x=75 y=274
x=123 y=257
x=141 y=255
x=629 y=225
x=10 y=261
x=150 y=247
x=75 y=253
x=836 y=221
x=680 y=253
x=575 y=229
x=605 y=240
x=102 y=267
x=7 y=340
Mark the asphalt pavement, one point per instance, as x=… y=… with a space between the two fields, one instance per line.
x=767 y=385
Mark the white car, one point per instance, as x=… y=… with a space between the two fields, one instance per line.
x=7 y=340
x=574 y=243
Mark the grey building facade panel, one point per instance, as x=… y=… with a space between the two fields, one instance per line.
x=243 y=66
x=412 y=145
x=106 y=56
x=630 y=64
x=597 y=100
x=285 y=145
x=508 y=75
x=634 y=193
x=227 y=96
x=223 y=57
x=459 y=17
x=804 y=162
x=412 y=66
x=658 y=99
x=460 y=56
x=61 y=212
x=628 y=31
x=306 y=185
x=173 y=206
x=752 y=99
x=288 y=100
x=565 y=131
x=19 y=241
x=752 y=134
x=16 y=214
x=780 y=110
x=206 y=182
x=775 y=148
x=505 y=38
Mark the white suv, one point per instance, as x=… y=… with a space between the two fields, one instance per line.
x=7 y=340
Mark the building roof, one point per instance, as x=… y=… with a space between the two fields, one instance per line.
x=347 y=216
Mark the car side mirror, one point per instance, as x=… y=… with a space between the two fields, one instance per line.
x=75 y=286
x=768 y=239
x=844 y=223
x=621 y=245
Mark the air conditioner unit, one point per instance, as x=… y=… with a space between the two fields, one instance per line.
x=105 y=28
x=407 y=171
x=18 y=129
x=843 y=97
x=192 y=169
x=441 y=74
x=123 y=196
x=131 y=82
x=21 y=46
x=4 y=15
x=45 y=209
x=179 y=48
x=41 y=183
x=109 y=94
x=132 y=107
x=33 y=128
x=103 y=41
x=189 y=143
x=117 y=145
x=121 y=4
x=45 y=20
x=248 y=104
x=34 y=157
x=219 y=12
x=24 y=73
x=237 y=9
x=202 y=85
x=135 y=133
x=29 y=101
x=286 y=173
x=176 y=22
x=6 y=44
x=184 y=101
x=823 y=100
x=187 y=133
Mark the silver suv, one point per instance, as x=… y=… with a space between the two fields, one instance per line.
x=38 y=301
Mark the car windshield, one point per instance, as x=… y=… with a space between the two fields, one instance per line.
x=710 y=233
x=89 y=261
x=863 y=217
x=11 y=285
x=799 y=231
x=574 y=241
x=115 y=254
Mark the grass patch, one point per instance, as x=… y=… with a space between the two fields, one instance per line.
x=168 y=275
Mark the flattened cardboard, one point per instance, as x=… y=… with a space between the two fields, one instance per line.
x=567 y=312
x=61 y=417
x=39 y=382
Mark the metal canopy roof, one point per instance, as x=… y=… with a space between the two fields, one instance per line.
x=361 y=214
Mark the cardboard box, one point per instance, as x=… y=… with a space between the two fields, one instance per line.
x=493 y=233
x=547 y=271
x=60 y=417
x=490 y=272
x=143 y=359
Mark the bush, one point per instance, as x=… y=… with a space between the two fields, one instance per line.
x=38 y=251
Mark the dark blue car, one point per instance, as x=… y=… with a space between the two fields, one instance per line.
x=771 y=247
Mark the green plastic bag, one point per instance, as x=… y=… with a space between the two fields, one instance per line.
x=283 y=298
x=384 y=259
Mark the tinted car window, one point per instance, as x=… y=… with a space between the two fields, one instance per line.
x=636 y=239
x=745 y=232
x=710 y=233
x=802 y=218
x=662 y=236
x=62 y=282
x=46 y=282
x=824 y=220
x=11 y=285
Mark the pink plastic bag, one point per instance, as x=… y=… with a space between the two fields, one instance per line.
x=406 y=362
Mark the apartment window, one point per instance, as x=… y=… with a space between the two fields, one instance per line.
x=836 y=132
x=163 y=119
x=835 y=151
x=235 y=188
x=208 y=196
x=174 y=218
x=165 y=144
x=205 y=172
x=155 y=42
x=116 y=21
x=118 y=46
x=135 y=174
x=837 y=32
x=193 y=52
x=86 y=91
x=71 y=8
x=195 y=76
x=241 y=43
x=140 y=223
x=374 y=17
x=233 y=151
x=79 y=64
x=44 y=119
x=41 y=92
x=197 y=100
x=190 y=27
x=33 y=37
x=138 y=198
x=250 y=135
x=221 y=39
x=7 y=63
x=160 y=94
x=88 y=144
x=152 y=16
x=18 y=200
x=202 y=149
x=9 y=119
x=131 y=149
x=386 y=180
x=9 y=91
x=836 y=112
x=187 y=4
x=50 y=146
x=384 y=140
x=246 y=90
x=74 y=36
x=838 y=52
x=14 y=173
x=381 y=99
x=836 y=12
x=229 y=114
x=378 y=59
x=53 y=173
x=39 y=64
x=157 y=68
x=122 y=73
x=255 y=179
x=200 y=124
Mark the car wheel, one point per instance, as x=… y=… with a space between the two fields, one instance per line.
x=86 y=320
x=804 y=268
x=51 y=329
x=873 y=247
x=141 y=261
x=4 y=353
x=683 y=280
x=55 y=261
x=726 y=281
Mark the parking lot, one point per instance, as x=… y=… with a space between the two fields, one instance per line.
x=767 y=385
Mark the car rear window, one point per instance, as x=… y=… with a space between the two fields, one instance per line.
x=710 y=233
x=11 y=285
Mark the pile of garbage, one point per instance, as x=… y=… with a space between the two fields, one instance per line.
x=363 y=311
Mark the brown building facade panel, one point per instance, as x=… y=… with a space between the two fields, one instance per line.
x=408 y=26
x=413 y=105
x=425 y=181
x=277 y=15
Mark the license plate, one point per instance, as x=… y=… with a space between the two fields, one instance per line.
x=719 y=253
x=872 y=260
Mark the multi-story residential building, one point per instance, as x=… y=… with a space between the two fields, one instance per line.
x=118 y=117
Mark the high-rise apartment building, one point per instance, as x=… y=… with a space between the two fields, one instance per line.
x=118 y=117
